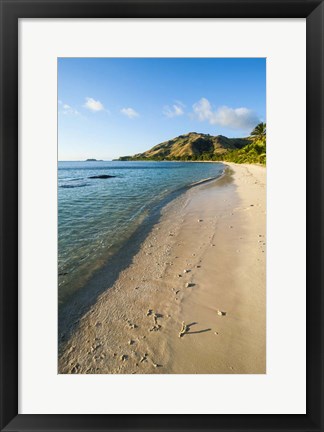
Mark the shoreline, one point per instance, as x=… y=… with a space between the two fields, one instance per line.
x=215 y=231
x=77 y=305
x=147 y=218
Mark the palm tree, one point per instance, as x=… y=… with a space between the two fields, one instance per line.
x=259 y=133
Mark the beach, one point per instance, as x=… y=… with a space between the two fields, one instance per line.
x=188 y=293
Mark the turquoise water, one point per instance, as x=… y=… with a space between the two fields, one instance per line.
x=96 y=216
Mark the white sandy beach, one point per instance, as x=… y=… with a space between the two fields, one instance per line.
x=203 y=263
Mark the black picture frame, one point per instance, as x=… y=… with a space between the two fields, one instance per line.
x=11 y=11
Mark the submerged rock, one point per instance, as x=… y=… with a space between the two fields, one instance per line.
x=101 y=176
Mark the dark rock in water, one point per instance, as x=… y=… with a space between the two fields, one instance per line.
x=102 y=176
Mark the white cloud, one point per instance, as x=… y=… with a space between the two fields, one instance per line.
x=175 y=110
x=233 y=118
x=202 y=109
x=129 y=112
x=93 y=105
x=67 y=109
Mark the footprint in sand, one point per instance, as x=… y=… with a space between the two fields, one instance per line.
x=144 y=358
x=131 y=325
x=156 y=327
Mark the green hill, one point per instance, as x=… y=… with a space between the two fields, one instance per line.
x=204 y=147
x=191 y=146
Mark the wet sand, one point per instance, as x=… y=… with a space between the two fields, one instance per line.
x=201 y=269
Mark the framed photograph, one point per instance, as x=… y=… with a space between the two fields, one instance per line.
x=161 y=215
x=141 y=280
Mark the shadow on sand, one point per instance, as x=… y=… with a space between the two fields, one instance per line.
x=197 y=331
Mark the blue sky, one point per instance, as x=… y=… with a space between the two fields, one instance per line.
x=115 y=107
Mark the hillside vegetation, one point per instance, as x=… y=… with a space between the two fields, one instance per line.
x=204 y=147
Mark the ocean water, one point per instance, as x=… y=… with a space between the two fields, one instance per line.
x=97 y=216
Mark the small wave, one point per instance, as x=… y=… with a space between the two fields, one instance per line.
x=75 y=179
x=204 y=180
x=70 y=179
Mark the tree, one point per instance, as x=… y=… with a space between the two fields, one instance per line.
x=259 y=133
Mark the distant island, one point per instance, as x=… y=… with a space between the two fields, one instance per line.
x=93 y=160
x=195 y=146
